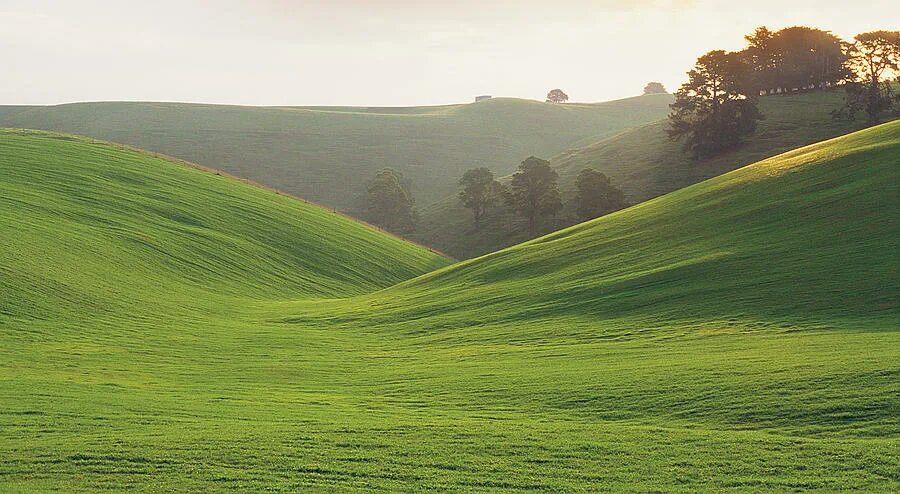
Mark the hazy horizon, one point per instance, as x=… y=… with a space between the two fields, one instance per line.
x=395 y=53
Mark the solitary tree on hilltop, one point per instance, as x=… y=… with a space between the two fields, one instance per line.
x=716 y=107
x=595 y=194
x=534 y=191
x=870 y=57
x=389 y=202
x=479 y=192
x=557 y=96
x=654 y=88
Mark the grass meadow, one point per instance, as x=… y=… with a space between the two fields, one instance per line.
x=166 y=329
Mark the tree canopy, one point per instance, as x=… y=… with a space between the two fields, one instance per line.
x=654 y=88
x=389 y=203
x=870 y=58
x=794 y=58
x=557 y=96
x=595 y=195
x=717 y=106
x=479 y=192
x=534 y=191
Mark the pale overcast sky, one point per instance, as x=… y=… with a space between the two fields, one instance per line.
x=393 y=52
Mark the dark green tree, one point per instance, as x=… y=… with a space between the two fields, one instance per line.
x=389 y=203
x=716 y=108
x=870 y=58
x=534 y=191
x=654 y=88
x=479 y=192
x=595 y=195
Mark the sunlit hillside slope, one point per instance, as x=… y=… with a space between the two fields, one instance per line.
x=737 y=335
x=87 y=222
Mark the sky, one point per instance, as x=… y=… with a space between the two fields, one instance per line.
x=380 y=52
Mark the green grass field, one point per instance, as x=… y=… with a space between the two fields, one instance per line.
x=327 y=154
x=166 y=329
x=644 y=163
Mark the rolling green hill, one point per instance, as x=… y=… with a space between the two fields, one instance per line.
x=737 y=335
x=644 y=163
x=90 y=218
x=327 y=154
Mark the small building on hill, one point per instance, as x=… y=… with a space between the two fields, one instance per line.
x=482 y=97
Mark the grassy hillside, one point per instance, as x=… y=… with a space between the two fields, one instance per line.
x=737 y=335
x=7 y=111
x=327 y=154
x=91 y=218
x=644 y=163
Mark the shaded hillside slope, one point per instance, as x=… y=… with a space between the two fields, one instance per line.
x=737 y=335
x=644 y=163
x=327 y=155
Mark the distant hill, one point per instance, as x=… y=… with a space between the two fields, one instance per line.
x=644 y=163
x=166 y=329
x=7 y=111
x=327 y=154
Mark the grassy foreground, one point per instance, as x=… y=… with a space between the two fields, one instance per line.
x=327 y=154
x=740 y=334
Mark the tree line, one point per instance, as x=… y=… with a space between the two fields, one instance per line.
x=717 y=107
x=532 y=193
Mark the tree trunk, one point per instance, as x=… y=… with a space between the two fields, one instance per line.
x=872 y=104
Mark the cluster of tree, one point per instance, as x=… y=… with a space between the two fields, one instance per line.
x=717 y=107
x=793 y=59
x=533 y=193
x=870 y=58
